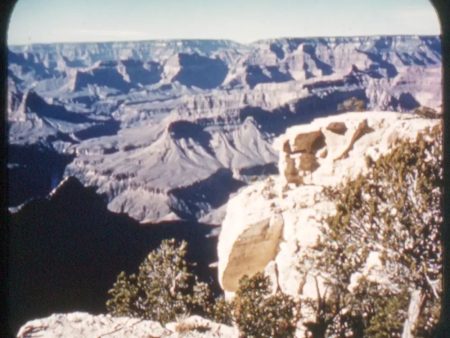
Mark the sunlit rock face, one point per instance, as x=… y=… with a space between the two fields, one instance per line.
x=157 y=125
x=270 y=224
x=248 y=249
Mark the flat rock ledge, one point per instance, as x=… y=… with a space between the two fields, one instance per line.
x=85 y=325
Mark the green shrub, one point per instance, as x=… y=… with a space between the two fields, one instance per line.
x=257 y=313
x=220 y=311
x=394 y=210
x=162 y=289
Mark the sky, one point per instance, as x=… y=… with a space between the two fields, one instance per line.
x=44 y=21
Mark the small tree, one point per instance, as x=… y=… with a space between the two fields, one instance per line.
x=162 y=289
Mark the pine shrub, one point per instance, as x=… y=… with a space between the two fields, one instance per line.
x=258 y=313
x=163 y=288
x=395 y=211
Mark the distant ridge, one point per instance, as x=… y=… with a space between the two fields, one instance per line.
x=221 y=40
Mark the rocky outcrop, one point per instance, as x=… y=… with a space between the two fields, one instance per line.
x=291 y=172
x=337 y=127
x=294 y=204
x=309 y=142
x=363 y=128
x=85 y=325
x=308 y=162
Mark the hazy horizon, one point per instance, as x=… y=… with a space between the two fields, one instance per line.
x=213 y=39
x=84 y=21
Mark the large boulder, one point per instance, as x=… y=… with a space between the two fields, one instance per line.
x=309 y=142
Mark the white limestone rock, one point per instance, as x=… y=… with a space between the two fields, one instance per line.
x=85 y=325
x=301 y=207
x=80 y=324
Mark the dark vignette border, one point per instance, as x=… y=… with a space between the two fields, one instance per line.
x=443 y=9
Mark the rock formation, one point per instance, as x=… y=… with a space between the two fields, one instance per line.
x=84 y=325
x=285 y=213
x=337 y=127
